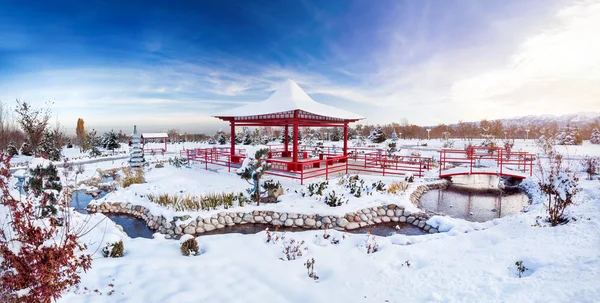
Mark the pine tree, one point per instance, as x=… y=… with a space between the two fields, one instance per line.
x=595 y=137
x=336 y=135
x=44 y=180
x=50 y=146
x=93 y=142
x=377 y=135
x=221 y=138
x=247 y=140
x=569 y=136
x=110 y=141
x=253 y=168
x=12 y=149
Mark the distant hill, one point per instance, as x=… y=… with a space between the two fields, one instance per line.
x=573 y=119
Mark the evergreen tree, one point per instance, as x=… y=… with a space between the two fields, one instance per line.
x=12 y=149
x=377 y=135
x=50 y=146
x=44 y=180
x=253 y=168
x=247 y=140
x=110 y=141
x=221 y=138
x=595 y=137
x=336 y=134
x=569 y=136
x=93 y=142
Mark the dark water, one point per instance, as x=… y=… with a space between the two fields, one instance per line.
x=382 y=229
x=390 y=229
x=81 y=199
x=132 y=226
x=480 y=202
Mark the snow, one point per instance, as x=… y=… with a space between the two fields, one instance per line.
x=468 y=262
x=154 y=135
x=476 y=266
x=289 y=97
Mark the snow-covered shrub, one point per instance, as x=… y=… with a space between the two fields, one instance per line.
x=397 y=187
x=377 y=135
x=26 y=149
x=189 y=245
x=221 y=138
x=557 y=182
x=355 y=185
x=595 y=137
x=12 y=149
x=273 y=188
x=253 y=168
x=520 y=268
x=410 y=178
x=569 y=136
x=448 y=143
x=114 y=248
x=132 y=177
x=273 y=237
x=293 y=249
x=316 y=189
x=310 y=266
x=508 y=146
x=371 y=244
x=49 y=258
x=178 y=162
x=334 y=200
x=379 y=186
x=591 y=165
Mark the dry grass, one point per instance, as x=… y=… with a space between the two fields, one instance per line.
x=397 y=187
x=188 y=202
x=132 y=177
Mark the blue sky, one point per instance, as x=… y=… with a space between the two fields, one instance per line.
x=164 y=64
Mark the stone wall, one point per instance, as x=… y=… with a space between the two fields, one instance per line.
x=350 y=221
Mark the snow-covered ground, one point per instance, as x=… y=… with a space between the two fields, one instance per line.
x=471 y=262
x=457 y=266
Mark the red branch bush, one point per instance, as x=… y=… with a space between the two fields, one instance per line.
x=39 y=260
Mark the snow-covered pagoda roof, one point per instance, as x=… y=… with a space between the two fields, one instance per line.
x=154 y=135
x=288 y=98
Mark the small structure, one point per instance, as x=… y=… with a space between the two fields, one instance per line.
x=153 y=137
x=289 y=107
x=136 y=152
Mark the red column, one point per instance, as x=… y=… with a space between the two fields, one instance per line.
x=346 y=139
x=232 y=151
x=295 y=150
x=285 y=140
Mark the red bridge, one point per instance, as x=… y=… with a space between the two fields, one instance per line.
x=496 y=161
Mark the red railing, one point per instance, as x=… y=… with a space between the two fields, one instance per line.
x=492 y=157
x=329 y=161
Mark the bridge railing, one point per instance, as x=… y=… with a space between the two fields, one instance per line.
x=501 y=158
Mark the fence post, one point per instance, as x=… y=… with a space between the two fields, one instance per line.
x=346 y=165
x=206 y=161
x=326 y=169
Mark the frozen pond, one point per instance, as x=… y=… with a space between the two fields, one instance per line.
x=132 y=226
x=475 y=198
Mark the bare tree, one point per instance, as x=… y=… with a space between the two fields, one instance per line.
x=33 y=122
